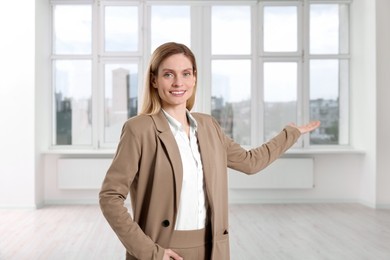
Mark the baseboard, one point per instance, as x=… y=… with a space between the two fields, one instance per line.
x=72 y=202
x=367 y=204
x=231 y=201
x=19 y=206
x=382 y=206
x=291 y=201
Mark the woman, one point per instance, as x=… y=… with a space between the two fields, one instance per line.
x=174 y=164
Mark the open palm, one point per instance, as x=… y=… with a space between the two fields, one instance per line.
x=308 y=127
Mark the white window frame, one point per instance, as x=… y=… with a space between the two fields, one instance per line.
x=283 y=57
x=54 y=57
x=201 y=45
x=115 y=57
x=344 y=98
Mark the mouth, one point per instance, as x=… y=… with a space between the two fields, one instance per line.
x=178 y=93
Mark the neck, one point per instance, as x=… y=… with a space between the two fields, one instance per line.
x=180 y=115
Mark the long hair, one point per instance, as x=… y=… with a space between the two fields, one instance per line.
x=151 y=100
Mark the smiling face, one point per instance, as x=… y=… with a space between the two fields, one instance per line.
x=175 y=81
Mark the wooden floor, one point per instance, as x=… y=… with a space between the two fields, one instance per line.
x=269 y=232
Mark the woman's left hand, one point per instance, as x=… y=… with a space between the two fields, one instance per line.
x=308 y=127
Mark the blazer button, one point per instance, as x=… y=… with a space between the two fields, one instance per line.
x=165 y=223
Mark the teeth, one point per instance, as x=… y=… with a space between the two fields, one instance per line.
x=177 y=92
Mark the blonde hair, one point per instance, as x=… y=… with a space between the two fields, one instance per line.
x=151 y=100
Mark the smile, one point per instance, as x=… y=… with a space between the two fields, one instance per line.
x=177 y=92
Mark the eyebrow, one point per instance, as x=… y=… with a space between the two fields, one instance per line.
x=167 y=69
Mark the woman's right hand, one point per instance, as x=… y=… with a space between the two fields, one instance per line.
x=170 y=254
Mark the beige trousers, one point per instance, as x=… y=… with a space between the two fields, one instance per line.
x=193 y=244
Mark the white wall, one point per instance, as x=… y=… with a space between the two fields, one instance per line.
x=342 y=177
x=363 y=93
x=382 y=101
x=43 y=97
x=17 y=104
x=370 y=95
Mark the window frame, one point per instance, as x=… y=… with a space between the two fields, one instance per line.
x=297 y=57
x=55 y=57
x=201 y=46
x=344 y=96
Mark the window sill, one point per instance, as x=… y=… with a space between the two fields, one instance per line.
x=86 y=152
x=293 y=151
x=325 y=150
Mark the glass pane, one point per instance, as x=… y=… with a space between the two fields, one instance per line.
x=280 y=29
x=280 y=96
x=73 y=102
x=121 y=98
x=324 y=100
x=231 y=30
x=170 y=24
x=231 y=98
x=121 y=28
x=72 y=29
x=329 y=29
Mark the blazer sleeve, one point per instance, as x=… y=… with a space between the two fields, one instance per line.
x=115 y=188
x=254 y=160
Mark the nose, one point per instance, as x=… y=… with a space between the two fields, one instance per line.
x=178 y=82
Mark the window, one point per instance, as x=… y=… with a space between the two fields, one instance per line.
x=329 y=71
x=72 y=74
x=280 y=96
x=118 y=65
x=262 y=65
x=120 y=97
x=280 y=28
x=170 y=23
x=306 y=77
x=231 y=70
x=121 y=28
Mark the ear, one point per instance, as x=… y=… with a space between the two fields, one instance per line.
x=153 y=81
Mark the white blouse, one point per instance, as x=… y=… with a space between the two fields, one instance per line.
x=192 y=211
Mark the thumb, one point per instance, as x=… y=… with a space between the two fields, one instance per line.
x=172 y=254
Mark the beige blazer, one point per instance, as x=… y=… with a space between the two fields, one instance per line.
x=147 y=164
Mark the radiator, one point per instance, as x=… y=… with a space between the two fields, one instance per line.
x=81 y=173
x=284 y=173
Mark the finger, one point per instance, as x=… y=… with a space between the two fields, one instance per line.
x=314 y=124
x=173 y=254
x=310 y=126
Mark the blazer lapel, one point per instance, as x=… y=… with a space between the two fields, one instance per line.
x=207 y=168
x=169 y=142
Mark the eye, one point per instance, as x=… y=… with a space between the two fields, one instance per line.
x=168 y=75
x=187 y=74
